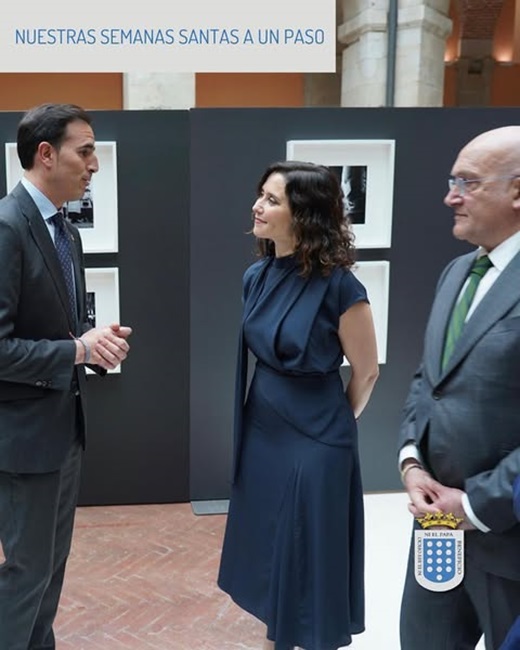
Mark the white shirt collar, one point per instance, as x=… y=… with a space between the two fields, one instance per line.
x=45 y=206
x=502 y=254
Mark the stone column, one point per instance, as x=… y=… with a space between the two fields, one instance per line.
x=422 y=29
x=158 y=90
x=363 y=33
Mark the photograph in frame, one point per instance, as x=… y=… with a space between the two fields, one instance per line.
x=102 y=299
x=375 y=277
x=365 y=171
x=95 y=213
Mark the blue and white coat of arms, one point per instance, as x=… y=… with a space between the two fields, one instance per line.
x=439 y=558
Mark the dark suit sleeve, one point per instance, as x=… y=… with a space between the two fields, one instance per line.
x=42 y=363
x=408 y=432
x=491 y=493
x=516 y=496
x=512 y=641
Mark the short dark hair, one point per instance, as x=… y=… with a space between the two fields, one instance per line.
x=45 y=123
x=324 y=238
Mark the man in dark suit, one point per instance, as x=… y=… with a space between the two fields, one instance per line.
x=44 y=344
x=460 y=439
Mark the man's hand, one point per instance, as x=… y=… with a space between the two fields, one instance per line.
x=428 y=495
x=450 y=500
x=422 y=489
x=121 y=330
x=108 y=346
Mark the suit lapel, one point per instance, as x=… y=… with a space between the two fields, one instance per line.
x=496 y=303
x=441 y=312
x=43 y=240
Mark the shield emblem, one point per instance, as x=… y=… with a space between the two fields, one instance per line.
x=439 y=558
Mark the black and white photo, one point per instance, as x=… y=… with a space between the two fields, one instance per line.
x=365 y=169
x=96 y=213
x=103 y=297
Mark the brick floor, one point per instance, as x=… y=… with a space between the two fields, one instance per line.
x=144 y=577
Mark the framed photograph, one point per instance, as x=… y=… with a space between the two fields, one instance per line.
x=103 y=298
x=365 y=170
x=95 y=213
x=375 y=277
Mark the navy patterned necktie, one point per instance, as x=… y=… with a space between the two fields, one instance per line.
x=62 y=244
x=460 y=311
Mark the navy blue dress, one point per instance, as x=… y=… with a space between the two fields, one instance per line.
x=293 y=551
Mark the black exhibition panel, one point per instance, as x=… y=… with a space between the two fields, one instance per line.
x=230 y=148
x=161 y=430
x=138 y=446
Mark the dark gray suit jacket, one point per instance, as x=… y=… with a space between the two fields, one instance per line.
x=38 y=379
x=466 y=420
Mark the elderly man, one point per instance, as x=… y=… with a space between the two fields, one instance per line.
x=460 y=439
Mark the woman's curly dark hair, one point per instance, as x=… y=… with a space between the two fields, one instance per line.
x=324 y=239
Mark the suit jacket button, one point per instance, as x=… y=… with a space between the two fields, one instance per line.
x=39 y=383
x=436 y=394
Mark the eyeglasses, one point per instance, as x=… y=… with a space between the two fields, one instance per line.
x=460 y=184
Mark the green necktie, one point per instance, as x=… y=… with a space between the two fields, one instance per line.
x=460 y=311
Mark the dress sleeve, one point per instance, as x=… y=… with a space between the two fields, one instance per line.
x=350 y=291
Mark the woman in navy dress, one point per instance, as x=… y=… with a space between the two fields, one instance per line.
x=294 y=545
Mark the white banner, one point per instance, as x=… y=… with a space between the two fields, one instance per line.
x=175 y=36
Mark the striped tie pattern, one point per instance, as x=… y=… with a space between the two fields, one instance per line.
x=460 y=311
x=62 y=244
